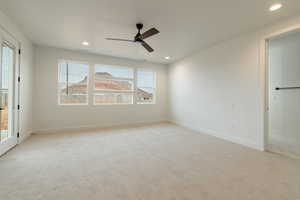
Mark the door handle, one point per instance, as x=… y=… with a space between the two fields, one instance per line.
x=287 y=88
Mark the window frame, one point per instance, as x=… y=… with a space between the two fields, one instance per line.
x=58 y=83
x=133 y=80
x=113 y=104
x=154 y=87
x=92 y=90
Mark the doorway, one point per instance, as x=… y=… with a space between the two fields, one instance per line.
x=8 y=92
x=284 y=94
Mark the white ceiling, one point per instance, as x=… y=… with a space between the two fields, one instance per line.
x=185 y=25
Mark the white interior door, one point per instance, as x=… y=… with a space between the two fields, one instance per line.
x=284 y=102
x=8 y=92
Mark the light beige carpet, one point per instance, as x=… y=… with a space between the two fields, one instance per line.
x=154 y=162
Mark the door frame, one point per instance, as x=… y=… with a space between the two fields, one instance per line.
x=264 y=63
x=12 y=42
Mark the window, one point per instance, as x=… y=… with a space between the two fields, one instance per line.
x=113 y=85
x=73 y=83
x=145 y=93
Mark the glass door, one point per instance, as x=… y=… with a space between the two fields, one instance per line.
x=8 y=91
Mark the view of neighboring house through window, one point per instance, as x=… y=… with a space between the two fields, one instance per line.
x=73 y=83
x=113 y=85
x=145 y=93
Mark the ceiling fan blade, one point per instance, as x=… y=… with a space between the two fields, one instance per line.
x=116 y=39
x=149 y=33
x=146 y=46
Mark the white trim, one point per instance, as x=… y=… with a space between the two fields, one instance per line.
x=116 y=79
x=145 y=103
x=74 y=61
x=94 y=127
x=224 y=136
x=135 y=86
x=113 y=91
x=112 y=104
x=24 y=136
x=9 y=41
x=7 y=145
x=265 y=75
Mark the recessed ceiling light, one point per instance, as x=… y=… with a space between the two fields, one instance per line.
x=167 y=58
x=85 y=43
x=275 y=6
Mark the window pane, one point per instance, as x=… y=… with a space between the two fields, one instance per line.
x=120 y=85
x=146 y=79
x=113 y=98
x=73 y=99
x=73 y=83
x=145 y=87
x=110 y=72
x=73 y=89
x=77 y=73
x=145 y=95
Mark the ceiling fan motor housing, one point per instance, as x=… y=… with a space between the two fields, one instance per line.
x=139 y=26
x=137 y=38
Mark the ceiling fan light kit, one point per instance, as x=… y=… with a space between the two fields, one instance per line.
x=139 y=37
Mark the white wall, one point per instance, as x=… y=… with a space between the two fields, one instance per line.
x=49 y=116
x=220 y=90
x=284 y=126
x=26 y=73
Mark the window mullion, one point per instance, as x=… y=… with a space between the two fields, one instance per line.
x=134 y=85
x=67 y=78
x=116 y=79
x=113 y=91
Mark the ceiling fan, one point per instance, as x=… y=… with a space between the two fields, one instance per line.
x=139 y=37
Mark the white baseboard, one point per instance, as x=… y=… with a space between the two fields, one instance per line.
x=24 y=136
x=226 y=137
x=223 y=136
x=93 y=127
